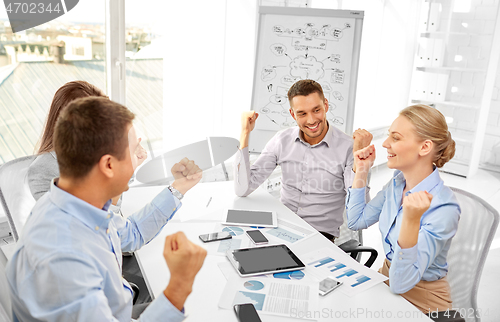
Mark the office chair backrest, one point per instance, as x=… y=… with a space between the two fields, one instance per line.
x=5 y=303
x=347 y=234
x=468 y=251
x=15 y=195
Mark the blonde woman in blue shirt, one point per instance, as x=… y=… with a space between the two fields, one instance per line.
x=418 y=216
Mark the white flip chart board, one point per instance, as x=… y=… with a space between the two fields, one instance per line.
x=304 y=43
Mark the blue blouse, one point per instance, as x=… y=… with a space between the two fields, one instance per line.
x=427 y=259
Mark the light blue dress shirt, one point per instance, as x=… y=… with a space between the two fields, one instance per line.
x=68 y=261
x=427 y=259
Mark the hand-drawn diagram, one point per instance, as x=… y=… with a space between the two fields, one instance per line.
x=316 y=48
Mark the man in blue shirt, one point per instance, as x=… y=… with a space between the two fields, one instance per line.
x=67 y=263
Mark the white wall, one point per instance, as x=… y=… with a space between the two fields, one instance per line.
x=208 y=64
x=387 y=52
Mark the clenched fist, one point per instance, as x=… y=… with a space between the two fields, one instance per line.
x=248 y=121
x=364 y=159
x=184 y=260
x=187 y=174
x=416 y=204
x=362 y=139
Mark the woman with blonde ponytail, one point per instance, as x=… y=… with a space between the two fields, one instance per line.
x=417 y=214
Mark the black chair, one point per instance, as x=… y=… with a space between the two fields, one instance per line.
x=352 y=242
x=354 y=247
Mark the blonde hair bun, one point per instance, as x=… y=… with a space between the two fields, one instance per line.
x=430 y=124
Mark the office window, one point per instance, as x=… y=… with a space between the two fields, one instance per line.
x=144 y=52
x=34 y=63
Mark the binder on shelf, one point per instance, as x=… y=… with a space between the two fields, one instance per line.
x=429 y=52
x=441 y=88
x=434 y=13
x=437 y=53
x=425 y=52
x=418 y=86
x=431 y=86
x=424 y=17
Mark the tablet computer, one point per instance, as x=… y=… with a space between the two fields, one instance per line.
x=264 y=260
x=241 y=217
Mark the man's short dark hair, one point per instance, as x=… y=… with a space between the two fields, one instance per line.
x=87 y=129
x=304 y=87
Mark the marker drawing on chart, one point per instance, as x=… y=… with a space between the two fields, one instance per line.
x=317 y=51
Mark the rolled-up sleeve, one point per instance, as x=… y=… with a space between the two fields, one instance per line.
x=248 y=178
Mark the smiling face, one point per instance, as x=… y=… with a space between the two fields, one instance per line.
x=404 y=148
x=310 y=114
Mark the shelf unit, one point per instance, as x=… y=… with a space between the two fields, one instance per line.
x=447 y=103
x=454 y=71
x=430 y=34
x=449 y=69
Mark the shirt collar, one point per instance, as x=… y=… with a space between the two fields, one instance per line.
x=328 y=139
x=94 y=218
x=429 y=183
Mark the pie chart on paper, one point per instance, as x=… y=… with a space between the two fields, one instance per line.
x=253 y=285
x=234 y=231
x=293 y=275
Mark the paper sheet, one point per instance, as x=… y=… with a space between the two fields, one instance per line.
x=288 y=232
x=337 y=264
x=272 y=296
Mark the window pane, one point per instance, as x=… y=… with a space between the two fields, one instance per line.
x=34 y=63
x=144 y=82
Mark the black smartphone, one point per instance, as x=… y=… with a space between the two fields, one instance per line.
x=257 y=237
x=246 y=313
x=215 y=236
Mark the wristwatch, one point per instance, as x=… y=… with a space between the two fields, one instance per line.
x=175 y=192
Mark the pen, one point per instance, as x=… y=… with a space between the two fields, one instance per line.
x=209 y=200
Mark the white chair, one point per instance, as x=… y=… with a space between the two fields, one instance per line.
x=5 y=303
x=468 y=251
x=15 y=195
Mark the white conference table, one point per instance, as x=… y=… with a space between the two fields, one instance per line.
x=376 y=304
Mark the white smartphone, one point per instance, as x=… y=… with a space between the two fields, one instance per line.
x=215 y=236
x=257 y=237
x=327 y=285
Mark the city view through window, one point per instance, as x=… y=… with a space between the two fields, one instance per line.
x=34 y=63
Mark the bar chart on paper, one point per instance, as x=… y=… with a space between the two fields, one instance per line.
x=356 y=278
